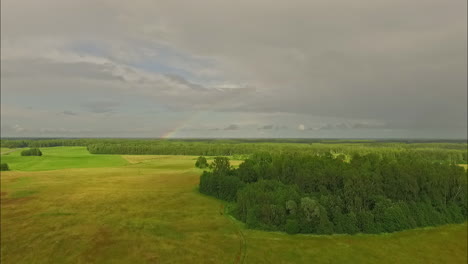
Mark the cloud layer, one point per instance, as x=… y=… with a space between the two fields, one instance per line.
x=383 y=68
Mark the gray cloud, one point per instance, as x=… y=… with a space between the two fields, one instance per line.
x=342 y=126
x=266 y=127
x=68 y=73
x=14 y=129
x=19 y=130
x=101 y=106
x=69 y=113
x=232 y=127
x=388 y=62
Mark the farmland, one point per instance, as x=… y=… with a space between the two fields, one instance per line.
x=69 y=206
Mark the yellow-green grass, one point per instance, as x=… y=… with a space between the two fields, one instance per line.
x=61 y=158
x=170 y=161
x=464 y=166
x=5 y=150
x=149 y=211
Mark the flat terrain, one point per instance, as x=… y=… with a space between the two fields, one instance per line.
x=69 y=206
x=6 y=150
x=60 y=158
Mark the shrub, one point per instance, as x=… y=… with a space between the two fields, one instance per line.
x=4 y=167
x=201 y=162
x=31 y=152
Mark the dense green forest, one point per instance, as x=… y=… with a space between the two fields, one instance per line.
x=324 y=194
x=227 y=149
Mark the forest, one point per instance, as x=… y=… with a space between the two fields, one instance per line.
x=325 y=194
x=453 y=151
x=230 y=149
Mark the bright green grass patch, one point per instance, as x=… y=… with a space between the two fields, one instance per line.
x=61 y=158
x=150 y=212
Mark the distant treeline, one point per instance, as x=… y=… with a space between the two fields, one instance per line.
x=223 y=149
x=441 y=151
x=324 y=194
x=43 y=143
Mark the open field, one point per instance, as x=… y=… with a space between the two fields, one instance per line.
x=69 y=206
x=5 y=151
x=61 y=158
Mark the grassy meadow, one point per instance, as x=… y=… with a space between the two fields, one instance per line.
x=5 y=150
x=60 y=158
x=69 y=206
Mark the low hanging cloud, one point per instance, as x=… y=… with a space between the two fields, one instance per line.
x=65 y=72
x=266 y=127
x=99 y=107
x=61 y=130
x=342 y=126
x=232 y=127
x=68 y=113
x=19 y=130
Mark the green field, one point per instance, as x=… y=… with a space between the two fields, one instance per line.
x=69 y=206
x=60 y=158
x=4 y=150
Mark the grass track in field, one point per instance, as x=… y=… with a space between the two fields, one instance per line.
x=2 y=150
x=149 y=211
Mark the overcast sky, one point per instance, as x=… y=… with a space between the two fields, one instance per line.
x=248 y=68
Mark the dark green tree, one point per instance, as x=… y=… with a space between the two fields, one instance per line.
x=221 y=166
x=201 y=162
x=4 y=167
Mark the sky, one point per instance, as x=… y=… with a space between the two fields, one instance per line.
x=234 y=69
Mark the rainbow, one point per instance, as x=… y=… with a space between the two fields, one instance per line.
x=182 y=124
x=173 y=131
x=179 y=126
